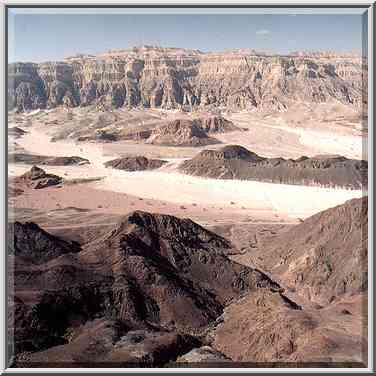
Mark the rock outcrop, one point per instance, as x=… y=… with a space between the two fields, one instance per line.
x=180 y=132
x=236 y=162
x=37 y=178
x=138 y=163
x=216 y=124
x=47 y=160
x=178 y=78
x=205 y=356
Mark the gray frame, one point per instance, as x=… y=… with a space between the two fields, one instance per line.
x=370 y=13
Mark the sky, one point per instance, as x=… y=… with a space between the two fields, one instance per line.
x=42 y=35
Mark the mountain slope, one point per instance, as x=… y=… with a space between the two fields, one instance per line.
x=263 y=330
x=325 y=257
x=151 y=272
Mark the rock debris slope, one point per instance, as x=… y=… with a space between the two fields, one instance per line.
x=323 y=263
x=324 y=257
x=263 y=330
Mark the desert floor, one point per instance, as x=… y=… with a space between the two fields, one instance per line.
x=207 y=201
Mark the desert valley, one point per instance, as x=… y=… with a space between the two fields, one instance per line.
x=174 y=208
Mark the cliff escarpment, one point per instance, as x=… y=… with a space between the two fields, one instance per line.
x=171 y=78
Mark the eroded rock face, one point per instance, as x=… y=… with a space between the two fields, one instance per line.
x=216 y=124
x=180 y=132
x=177 y=78
x=138 y=163
x=236 y=162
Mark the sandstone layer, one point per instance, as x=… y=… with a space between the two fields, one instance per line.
x=178 y=78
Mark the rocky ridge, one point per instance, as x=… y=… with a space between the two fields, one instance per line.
x=236 y=162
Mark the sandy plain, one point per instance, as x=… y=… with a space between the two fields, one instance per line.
x=167 y=190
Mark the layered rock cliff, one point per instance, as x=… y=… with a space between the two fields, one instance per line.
x=177 y=78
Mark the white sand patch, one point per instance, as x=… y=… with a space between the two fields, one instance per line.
x=293 y=200
x=276 y=137
x=38 y=142
x=350 y=146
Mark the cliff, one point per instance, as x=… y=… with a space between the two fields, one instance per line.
x=178 y=78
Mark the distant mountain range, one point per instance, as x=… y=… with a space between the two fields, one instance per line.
x=174 y=78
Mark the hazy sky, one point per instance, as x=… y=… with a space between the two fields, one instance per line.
x=47 y=36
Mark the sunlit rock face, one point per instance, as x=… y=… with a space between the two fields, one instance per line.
x=172 y=78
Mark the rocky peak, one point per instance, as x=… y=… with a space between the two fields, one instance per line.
x=33 y=244
x=38 y=178
x=170 y=228
x=231 y=152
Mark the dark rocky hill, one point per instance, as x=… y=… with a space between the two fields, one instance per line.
x=264 y=330
x=47 y=160
x=37 y=178
x=138 y=163
x=16 y=132
x=166 y=277
x=236 y=162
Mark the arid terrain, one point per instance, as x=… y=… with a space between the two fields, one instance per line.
x=173 y=208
